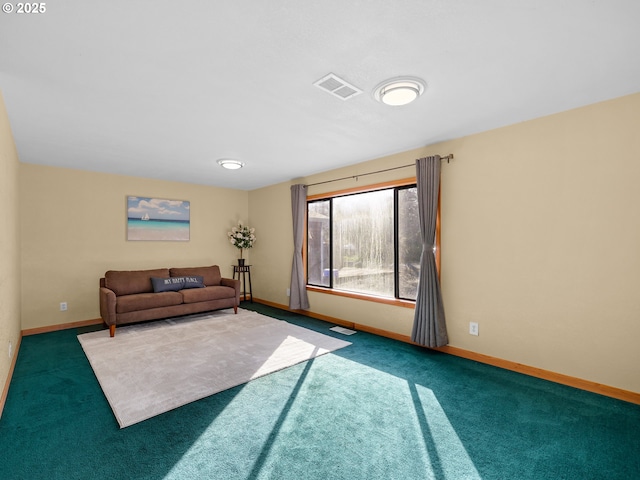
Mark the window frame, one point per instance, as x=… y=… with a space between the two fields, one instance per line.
x=393 y=184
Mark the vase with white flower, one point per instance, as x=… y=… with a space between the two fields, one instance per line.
x=241 y=237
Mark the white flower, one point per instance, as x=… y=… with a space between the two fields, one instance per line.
x=241 y=236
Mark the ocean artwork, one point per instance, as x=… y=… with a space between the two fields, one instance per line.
x=157 y=219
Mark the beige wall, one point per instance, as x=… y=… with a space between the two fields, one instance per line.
x=9 y=246
x=540 y=242
x=74 y=229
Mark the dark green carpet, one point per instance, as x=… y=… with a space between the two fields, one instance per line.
x=378 y=409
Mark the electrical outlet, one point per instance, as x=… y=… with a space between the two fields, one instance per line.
x=63 y=306
x=473 y=328
x=288 y=292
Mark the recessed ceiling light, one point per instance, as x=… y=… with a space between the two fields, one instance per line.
x=399 y=91
x=230 y=164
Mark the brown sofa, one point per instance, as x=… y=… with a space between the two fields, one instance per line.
x=139 y=295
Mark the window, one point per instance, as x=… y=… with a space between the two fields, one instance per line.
x=409 y=243
x=365 y=242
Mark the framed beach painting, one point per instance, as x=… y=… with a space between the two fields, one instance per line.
x=157 y=219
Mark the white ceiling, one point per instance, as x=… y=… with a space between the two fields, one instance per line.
x=163 y=89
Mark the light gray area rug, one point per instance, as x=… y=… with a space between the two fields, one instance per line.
x=151 y=368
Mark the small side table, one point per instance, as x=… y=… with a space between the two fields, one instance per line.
x=244 y=270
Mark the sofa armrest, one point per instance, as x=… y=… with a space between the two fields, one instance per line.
x=235 y=284
x=108 y=306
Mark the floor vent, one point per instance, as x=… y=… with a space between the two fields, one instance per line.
x=344 y=331
x=337 y=87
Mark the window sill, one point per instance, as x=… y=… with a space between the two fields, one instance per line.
x=360 y=296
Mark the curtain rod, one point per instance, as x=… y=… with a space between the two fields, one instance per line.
x=447 y=158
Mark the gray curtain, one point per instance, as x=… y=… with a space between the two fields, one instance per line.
x=429 y=328
x=298 y=298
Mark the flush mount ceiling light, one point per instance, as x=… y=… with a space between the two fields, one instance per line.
x=230 y=164
x=399 y=91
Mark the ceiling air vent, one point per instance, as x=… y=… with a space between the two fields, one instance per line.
x=337 y=87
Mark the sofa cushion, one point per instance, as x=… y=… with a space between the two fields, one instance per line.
x=133 y=281
x=146 y=301
x=207 y=293
x=211 y=275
